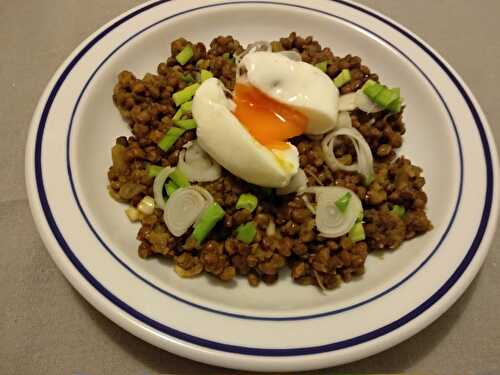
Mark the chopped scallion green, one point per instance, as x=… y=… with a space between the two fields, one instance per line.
x=357 y=232
x=385 y=97
x=210 y=216
x=343 y=202
x=171 y=187
x=395 y=106
x=153 y=170
x=185 y=55
x=368 y=179
x=170 y=138
x=205 y=74
x=323 y=65
x=185 y=95
x=373 y=90
x=398 y=210
x=178 y=114
x=343 y=78
x=178 y=177
x=248 y=201
x=246 y=232
x=187 y=124
x=187 y=78
x=187 y=107
x=368 y=83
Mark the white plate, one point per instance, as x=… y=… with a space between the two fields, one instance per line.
x=284 y=327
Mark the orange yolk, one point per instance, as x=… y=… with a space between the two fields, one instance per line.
x=270 y=122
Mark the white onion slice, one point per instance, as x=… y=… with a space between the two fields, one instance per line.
x=364 y=103
x=344 y=120
x=159 y=184
x=347 y=102
x=331 y=222
x=182 y=210
x=297 y=183
x=197 y=165
x=291 y=54
x=364 y=165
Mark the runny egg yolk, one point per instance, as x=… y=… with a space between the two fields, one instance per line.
x=270 y=122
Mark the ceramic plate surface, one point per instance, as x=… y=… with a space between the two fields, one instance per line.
x=283 y=327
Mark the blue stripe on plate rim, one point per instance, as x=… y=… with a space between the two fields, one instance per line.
x=250 y=350
x=242 y=316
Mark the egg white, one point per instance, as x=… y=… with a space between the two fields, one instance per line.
x=228 y=142
x=297 y=84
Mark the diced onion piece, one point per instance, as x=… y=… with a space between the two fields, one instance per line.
x=344 y=120
x=297 y=183
x=271 y=228
x=364 y=165
x=182 y=210
x=197 y=165
x=331 y=222
x=132 y=214
x=146 y=205
x=291 y=54
x=159 y=184
x=364 y=103
x=347 y=102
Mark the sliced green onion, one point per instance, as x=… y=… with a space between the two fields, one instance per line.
x=170 y=138
x=248 y=201
x=205 y=74
x=178 y=114
x=343 y=202
x=373 y=90
x=343 y=78
x=368 y=179
x=153 y=170
x=357 y=233
x=187 y=78
x=323 y=65
x=369 y=82
x=210 y=216
x=171 y=187
x=395 y=106
x=385 y=97
x=360 y=217
x=186 y=124
x=398 y=210
x=178 y=177
x=185 y=55
x=246 y=232
x=185 y=94
x=187 y=107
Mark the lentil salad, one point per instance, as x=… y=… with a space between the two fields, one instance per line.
x=285 y=234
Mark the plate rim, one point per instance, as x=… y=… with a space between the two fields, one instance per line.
x=475 y=109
